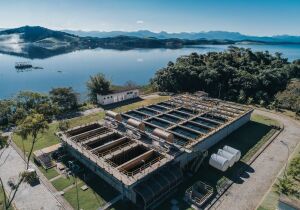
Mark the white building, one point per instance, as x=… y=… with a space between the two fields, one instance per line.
x=117 y=96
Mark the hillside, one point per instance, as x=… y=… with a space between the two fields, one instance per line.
x=39 y=42
x=219 y=35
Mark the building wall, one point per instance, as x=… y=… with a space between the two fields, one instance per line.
x=117 y=97
x=215 y=138
x=119 y=186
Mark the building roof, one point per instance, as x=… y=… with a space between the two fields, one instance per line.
x=46 y=150
x=121 y=90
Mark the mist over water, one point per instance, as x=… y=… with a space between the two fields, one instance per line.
x=73 y=69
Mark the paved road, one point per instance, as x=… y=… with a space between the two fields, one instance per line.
x=266 y=167
x=27 y=198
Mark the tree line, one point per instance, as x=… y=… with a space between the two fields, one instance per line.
x=237 y=74
x=25 y=103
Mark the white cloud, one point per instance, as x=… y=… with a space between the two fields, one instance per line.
x=140 y=60
x=140 y=22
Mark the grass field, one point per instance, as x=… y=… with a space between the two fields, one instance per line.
x=141 y=103
x=62 y=182
x=87 y=199
x=50 y=173
x=97 y=195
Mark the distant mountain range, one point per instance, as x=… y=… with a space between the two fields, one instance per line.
x=219 y=35
x=39 y=42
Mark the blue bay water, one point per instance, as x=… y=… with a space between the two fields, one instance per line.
x=74 y=69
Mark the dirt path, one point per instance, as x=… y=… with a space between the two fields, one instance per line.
x=266 y=167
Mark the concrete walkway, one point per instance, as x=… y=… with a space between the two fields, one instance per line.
x=248 y=194
x=28 y=197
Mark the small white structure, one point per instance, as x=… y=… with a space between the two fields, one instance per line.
x=233 y=151
x=230 y=157
x=117 y=96
x=219 y=162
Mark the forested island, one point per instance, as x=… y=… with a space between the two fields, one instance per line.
x=237 y=74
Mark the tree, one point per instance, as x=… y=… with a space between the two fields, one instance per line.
x=6 y=111
x=236 y=74
x=98 y=84
x=130 y=84
x=63 y=125
x=32 y=125
x=28 y=102
x=65 y=98
x=290 y=97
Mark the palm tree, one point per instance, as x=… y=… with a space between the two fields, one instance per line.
x=32 y=125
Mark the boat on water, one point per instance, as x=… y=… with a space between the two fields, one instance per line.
x=23 y=65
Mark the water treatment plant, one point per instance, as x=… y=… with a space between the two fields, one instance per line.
x=143 y=152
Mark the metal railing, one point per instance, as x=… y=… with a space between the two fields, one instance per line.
x=102 y=154
x=142 y=168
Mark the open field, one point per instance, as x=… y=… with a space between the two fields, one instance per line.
x=147 y=101
x=98 y=193
x=61 y=183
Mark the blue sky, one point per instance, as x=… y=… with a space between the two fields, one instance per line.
x=254 y=17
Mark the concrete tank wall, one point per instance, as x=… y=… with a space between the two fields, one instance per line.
x=119 y=186
x=214 y=138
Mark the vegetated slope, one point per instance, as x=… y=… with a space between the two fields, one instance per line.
x=39 y=42
x=237 y=74
x=290 y=97
x=210 y=35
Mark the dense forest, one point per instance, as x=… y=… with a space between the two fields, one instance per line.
x=237 y=74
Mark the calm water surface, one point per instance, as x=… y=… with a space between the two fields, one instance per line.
x=74 y=69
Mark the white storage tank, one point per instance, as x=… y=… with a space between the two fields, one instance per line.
x=233 y=151
x=230 y=157
x=219 y=162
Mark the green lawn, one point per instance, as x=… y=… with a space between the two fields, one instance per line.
x=141 y=103
x=50 y=173
x=45 y=140
x=86 y=119
x=62 y=182
x=88 y=200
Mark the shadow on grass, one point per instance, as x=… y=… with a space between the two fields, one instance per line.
x=98 y=185
x=122 y=103
x=244 y=139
